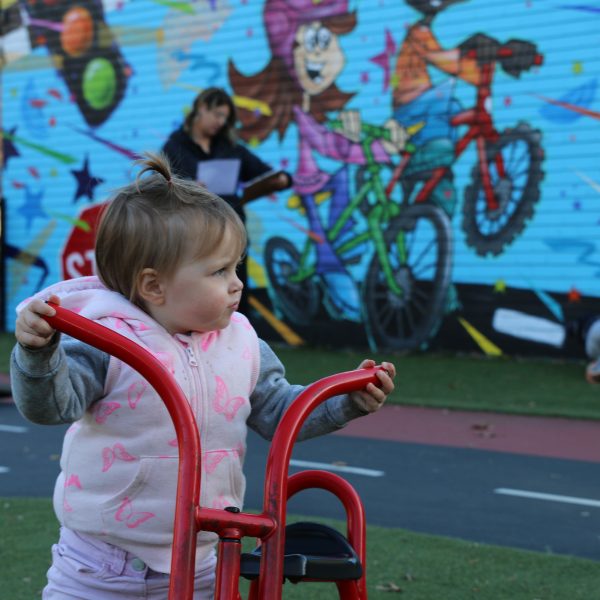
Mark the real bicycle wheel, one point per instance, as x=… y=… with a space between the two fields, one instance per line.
x=297 y=301
x=419 y=252
x=490 y=231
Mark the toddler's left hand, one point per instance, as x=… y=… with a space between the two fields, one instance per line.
x=371 y=398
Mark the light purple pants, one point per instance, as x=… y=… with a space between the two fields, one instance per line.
x=86 y=568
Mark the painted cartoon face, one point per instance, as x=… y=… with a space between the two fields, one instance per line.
x=318 y=58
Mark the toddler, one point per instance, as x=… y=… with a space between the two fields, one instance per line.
x=167 y=251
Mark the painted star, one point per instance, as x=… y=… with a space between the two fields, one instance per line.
x=9 y=150
x=85 y=182
x=383 y=59
x=32 y=206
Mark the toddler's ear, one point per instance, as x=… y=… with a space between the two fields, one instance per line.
x=150 y=288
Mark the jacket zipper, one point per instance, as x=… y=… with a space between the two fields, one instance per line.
x=191 y=356
x=197 y=387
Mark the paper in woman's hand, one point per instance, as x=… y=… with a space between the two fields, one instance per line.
x=220 y=175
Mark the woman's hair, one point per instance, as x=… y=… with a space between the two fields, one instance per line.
x=157 y=222
x=210 y=98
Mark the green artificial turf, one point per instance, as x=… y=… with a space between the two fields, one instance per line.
x=510 y=385
x=400 y=564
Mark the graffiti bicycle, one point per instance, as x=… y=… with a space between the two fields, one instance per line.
x=408 y=272
x=405 y=290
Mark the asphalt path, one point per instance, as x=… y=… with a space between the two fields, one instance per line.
x=538 y=503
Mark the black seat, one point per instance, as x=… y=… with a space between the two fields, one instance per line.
x=312 y=551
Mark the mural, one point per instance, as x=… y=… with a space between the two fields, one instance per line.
x=445 y=166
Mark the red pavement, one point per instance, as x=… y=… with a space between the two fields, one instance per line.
x=538 y=436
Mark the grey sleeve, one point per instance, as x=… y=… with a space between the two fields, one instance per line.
x=56 y=384
x=273 y=394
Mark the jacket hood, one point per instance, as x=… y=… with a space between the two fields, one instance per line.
x=90 y=298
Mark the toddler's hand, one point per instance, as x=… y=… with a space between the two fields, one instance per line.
x=371 y=399
x=31 y=330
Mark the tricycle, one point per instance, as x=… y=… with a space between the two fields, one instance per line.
x=298 y=552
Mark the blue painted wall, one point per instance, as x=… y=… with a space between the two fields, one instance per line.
x=65 y=150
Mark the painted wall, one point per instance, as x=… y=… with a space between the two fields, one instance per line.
x=435 y=262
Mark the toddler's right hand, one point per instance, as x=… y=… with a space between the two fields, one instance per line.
x=31 y=329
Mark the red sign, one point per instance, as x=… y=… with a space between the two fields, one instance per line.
x=77 y=259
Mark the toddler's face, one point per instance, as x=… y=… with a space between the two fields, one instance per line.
x=202 y=294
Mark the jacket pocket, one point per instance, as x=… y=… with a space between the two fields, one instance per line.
x=223 y=482
x=143 y=511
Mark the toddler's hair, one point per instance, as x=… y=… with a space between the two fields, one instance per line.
x=157 y=222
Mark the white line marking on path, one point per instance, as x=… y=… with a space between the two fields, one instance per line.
x=13 y=428
x=4 y=469
x=550 y=497
x=341 y=468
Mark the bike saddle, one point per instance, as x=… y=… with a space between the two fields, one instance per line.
x=312 y=551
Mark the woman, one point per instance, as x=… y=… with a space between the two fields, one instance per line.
x=208 y=133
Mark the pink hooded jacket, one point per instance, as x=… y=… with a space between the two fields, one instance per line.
x=119 y=462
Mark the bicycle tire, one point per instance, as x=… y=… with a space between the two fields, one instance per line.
x=489 y=232
x=404 y=323
x=297 y=302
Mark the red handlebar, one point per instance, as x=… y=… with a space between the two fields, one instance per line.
x=270 y=525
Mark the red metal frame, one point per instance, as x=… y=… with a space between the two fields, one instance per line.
x=231 y=525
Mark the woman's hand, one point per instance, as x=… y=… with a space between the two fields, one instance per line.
x=282 y=181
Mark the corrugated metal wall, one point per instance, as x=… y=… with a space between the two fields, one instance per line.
x=87 y=85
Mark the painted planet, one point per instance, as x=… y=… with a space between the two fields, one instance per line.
x=99 y=83
x=77 y=33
